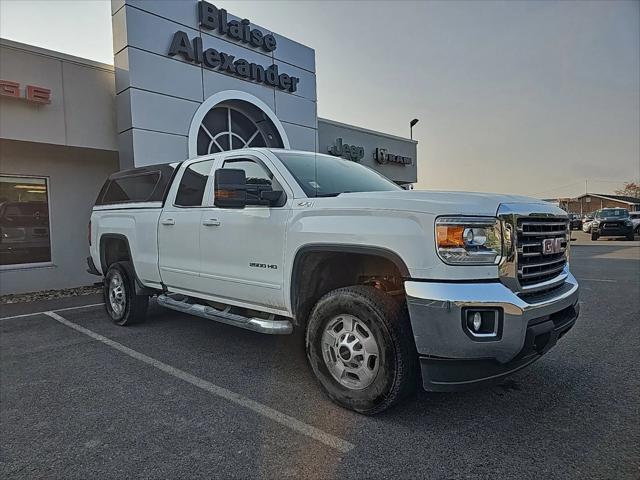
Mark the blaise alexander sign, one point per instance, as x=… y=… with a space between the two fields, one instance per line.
x=215 y=19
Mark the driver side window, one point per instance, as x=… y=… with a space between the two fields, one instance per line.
x=256 y=175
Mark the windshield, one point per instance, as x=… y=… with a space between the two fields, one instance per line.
x=325 y=176
x=612 y=213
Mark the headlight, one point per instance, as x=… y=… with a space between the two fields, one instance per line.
x=469 y=240
x=628 y=223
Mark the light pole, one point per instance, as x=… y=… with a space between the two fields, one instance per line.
x=411 y=124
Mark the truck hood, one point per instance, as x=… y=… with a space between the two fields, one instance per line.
x=436 y=202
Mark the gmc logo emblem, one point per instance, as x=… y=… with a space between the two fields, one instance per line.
x=551 y=246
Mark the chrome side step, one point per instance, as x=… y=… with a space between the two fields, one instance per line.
x=261 y=325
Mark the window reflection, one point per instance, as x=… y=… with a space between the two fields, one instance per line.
x=24 y=221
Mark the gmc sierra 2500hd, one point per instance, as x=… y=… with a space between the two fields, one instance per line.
x=464 y=288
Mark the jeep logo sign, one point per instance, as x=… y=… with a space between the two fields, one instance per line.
x=346 y=151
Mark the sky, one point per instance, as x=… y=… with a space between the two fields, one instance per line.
x=536 y=98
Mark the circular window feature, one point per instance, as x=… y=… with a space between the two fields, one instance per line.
x=236 y=124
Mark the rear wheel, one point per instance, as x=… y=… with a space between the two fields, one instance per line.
x=120 y=299
x=361 y=348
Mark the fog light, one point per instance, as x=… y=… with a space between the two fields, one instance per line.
x=477 y=321
x=482 y=323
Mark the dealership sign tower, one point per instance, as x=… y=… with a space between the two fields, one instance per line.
x=192 y=79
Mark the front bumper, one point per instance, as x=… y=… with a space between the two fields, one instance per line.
x=453 y=360
x=614 y=231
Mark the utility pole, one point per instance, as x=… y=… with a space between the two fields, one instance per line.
x=586 y=189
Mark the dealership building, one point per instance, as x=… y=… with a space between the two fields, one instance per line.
x=188 y=79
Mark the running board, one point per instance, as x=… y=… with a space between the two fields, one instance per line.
x=261 y=325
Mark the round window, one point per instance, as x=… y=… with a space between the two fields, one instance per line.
x=236 y=124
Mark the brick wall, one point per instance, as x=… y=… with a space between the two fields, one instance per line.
x=589 y=204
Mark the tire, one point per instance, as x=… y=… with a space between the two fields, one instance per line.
x=594 y=236
x=630 y=237
x=383 y=379
x=120 y=299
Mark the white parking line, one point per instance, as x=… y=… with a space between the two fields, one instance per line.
x=268 y=412
x=57 y=310
x=597 y=280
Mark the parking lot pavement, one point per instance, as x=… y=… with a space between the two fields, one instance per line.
x=581 y=238
x=181 y=396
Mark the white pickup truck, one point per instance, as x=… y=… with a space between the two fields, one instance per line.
x=462 y=288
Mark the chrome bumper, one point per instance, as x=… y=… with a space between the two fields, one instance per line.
x=436 y=310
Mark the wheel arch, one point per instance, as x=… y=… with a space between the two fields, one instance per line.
x=118 y=239
x=309 y=258
x=105 y=261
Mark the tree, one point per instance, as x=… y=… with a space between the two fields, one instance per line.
x=631 y=189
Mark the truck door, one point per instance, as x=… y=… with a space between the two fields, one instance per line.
x=179 y=229
x=242 y=250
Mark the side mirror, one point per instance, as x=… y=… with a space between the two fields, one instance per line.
x=272 y=197
x=230 y=188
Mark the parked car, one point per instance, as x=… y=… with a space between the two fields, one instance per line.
x=587 y=220
x=24 y=232
x=575 y=221
x=635 y=219
x=612 y=222
x=385 y=283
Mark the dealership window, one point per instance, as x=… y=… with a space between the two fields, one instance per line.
x=24 y=221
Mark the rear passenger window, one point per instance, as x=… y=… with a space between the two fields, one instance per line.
x=134 y=188
x=193 y=183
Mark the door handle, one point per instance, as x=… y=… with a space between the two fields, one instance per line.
x=211 y=222
x=168 y=221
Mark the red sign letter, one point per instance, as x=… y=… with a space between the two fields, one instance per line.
x=38 y=94
x=9 y=89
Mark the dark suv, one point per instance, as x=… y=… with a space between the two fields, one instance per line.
x=575 y=222
x=612 y=222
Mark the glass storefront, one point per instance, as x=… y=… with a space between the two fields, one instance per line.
x=24 y=221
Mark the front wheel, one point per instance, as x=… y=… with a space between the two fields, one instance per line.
x=594 y=236
x=120 y=299
x=361 y=348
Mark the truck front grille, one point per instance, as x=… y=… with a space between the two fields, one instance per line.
x=534 y=266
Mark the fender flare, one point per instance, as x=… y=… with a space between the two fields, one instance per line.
x=140 y=288
x=385 y=253
x=114 y=236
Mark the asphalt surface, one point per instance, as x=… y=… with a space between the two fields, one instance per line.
x=183 y=397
